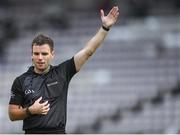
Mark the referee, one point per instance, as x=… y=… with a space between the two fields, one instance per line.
x=39 y=96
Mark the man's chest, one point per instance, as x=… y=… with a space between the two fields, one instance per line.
x=49 y=88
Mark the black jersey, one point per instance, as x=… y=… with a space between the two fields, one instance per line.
x=52 y=86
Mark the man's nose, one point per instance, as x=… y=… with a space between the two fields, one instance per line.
x=40 y=57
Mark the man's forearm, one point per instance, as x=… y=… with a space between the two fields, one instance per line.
x=17 y=114
x=96 y=41
x=91 y=46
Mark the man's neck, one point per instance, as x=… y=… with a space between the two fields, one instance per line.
x=42 y=72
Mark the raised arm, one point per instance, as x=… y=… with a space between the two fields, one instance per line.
x=107 y=21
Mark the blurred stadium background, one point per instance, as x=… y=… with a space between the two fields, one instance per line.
x=131 y=84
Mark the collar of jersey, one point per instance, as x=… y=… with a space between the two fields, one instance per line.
x=31 y=71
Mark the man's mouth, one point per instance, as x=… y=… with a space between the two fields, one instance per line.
x=40 y=63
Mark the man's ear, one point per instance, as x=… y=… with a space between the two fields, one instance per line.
x=52 y=53
x=32 y=58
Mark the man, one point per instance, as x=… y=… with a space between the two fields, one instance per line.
x=39 y=96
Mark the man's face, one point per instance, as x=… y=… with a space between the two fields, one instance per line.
x=41 y=56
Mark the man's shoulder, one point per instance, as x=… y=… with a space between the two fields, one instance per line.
x=65 y=62
x=22 y=76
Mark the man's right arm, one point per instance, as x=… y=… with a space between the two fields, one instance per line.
x=16 y=112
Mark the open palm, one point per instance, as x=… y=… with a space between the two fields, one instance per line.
x=111 y=18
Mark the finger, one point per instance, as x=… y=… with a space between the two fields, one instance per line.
x=111 y=11
x=45 y=103
x=115 y=11
x=117 y=8
x=46 y=107
x=102 y=13
x=117 y=15
x=38 y=100
x=45 y=111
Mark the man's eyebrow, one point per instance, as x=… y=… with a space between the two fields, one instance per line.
x=44 y=53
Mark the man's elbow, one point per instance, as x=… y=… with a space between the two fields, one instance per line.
x=89 y=53
x=11 y=117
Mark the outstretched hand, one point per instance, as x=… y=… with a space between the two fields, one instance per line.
x=111 y=18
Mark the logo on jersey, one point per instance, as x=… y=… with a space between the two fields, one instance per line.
x=12 y=95
x=53 y=83
x=28 y=91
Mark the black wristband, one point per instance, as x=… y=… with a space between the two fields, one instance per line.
x=28 y=111
x=105 y=28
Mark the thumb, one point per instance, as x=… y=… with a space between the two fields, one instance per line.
x=102 y=13
x=39 y=99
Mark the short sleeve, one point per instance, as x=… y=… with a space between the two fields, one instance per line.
x=16 y=93
x=67 y=69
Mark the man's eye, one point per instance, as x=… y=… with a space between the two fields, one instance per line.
x=36 y=53
x=44 y=53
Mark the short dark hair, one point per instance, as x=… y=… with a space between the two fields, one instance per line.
x=41 y=40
